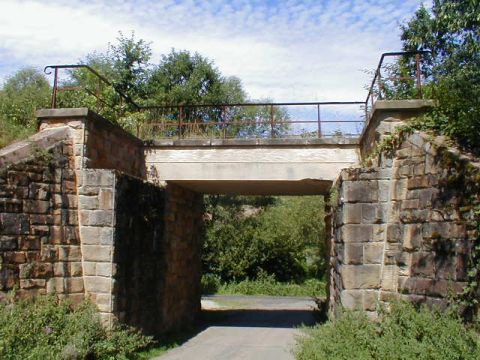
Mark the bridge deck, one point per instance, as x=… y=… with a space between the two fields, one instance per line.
x=254 y=166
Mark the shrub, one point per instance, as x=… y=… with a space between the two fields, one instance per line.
x=46 y=328
x=282 y=236
x=210 y=283
x=403 y=333
x=267 y=285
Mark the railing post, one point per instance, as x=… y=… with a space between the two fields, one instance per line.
x=272 y=129
x=379 y=84
x=419 y=75
x=54 y=90
x=180 y=122
x=97 y=95
x=319 y=121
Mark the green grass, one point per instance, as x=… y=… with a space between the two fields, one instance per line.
x=404 y=333
x=311 y=287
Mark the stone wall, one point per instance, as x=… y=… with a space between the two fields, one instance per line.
x=98 y=143
x=398 y=230
x=39 y=239
x=76 y=219
x=183 y=234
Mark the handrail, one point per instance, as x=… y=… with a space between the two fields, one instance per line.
x=181 y=108
x=377 y=74
x=101 y=78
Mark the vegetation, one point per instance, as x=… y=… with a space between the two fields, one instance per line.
x=404 y=332
x=450 y=32
x=21 y=95
x=267 y=285
x=282 y=237
x=46 y=328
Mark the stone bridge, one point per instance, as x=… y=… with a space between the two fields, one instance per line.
x=88 y=210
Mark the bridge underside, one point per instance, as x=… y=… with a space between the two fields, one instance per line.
x=305 y=167
x=257 y=187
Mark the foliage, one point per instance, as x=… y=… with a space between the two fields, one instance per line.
x=404 y=332
x=22 y=94
x=210 y=283
x=46 y=328
x=450 y=30
x=267 y=285
x=282 y=237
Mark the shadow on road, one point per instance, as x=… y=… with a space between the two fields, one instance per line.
x=286 y=319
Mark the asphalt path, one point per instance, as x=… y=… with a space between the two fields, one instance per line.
x=247 y=328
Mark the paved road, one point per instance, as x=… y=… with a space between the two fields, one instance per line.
x=247 y=328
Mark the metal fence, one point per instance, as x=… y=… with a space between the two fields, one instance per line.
x=241 y=120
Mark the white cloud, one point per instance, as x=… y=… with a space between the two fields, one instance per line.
x=289 y=51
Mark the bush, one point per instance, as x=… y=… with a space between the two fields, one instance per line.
x=210 y=283
x=267 y=285
x=403 y=333
x=46 y=328
x=281 y=236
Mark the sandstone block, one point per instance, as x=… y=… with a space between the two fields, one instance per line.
x=394 y=233
x=55 y=285
x=423 y=264
x=74 y=285
x=97 y=284
x=105 y=198
x=89 y=268
x=75 y=268
x=97 y=177
x=98 y=253
x=96 y=235
x=360 y=191
x=8 y=243
x=390 y=278
x=352 y=213
x=32 y=283
x=104 y=269
x=353 y=253
x=357 y=233
x=96 y=217
x=412 y=237
x=370 y=300
x=87 y=202
x=361 y=276
x=352 y=299
x=373 y=253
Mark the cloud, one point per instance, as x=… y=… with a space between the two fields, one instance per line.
x=286 y=50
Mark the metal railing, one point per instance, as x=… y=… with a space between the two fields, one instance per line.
x=246 y=120
x=100 y=80
x=379 y=84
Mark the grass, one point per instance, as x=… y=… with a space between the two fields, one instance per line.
x=403 y=333
x=265 y=285
x=47 y=328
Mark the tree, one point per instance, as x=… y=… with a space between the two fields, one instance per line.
x=183 y=78
x=450 y=30
x=281 y=236
x=22 y=94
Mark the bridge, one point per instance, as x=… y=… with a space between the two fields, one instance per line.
x=90 y=210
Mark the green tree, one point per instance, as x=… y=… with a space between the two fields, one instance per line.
x=21 y=95
x=450 y=31
x=185 y=78
x=280 y=236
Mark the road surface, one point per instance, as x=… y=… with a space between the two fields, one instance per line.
x=246 y=328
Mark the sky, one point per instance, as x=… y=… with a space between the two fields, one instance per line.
x=291 y=50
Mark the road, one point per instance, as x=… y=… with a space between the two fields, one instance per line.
x=246 y=328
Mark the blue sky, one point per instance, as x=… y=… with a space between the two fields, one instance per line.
x=284 y=50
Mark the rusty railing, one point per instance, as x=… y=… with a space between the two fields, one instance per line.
x=244 y=120
x=379 y=84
